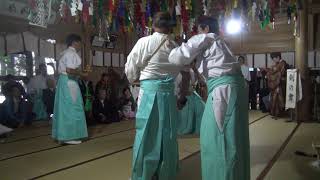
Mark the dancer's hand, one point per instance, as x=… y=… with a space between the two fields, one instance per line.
x=181 y=102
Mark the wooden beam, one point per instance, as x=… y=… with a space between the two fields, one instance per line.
x=303 y=110
x=315 y=9
x=311 y=32
x=23 y=42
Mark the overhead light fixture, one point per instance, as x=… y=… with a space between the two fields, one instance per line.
x=234 y=26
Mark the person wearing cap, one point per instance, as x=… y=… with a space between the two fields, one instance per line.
x=69 y=121
x=224 y=133
x=155 y=150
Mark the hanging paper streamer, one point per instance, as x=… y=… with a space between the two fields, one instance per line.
x=41 y=13
x=205 y=7
x=184 y=17
x=148 y=17
x=85 y=12
x=273 y=6
x=254 y=11
x=74 y=8
x=235 y=4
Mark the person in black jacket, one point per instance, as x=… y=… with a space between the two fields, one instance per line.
x=86 y=88
x=87 y=92
x=48 y=96
x=103 y=110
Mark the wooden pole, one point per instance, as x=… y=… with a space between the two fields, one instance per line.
x=301 y=45
x=87 y=45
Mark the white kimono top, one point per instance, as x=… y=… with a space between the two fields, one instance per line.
x=70 y=59
x=214 y=59
x=139 y=65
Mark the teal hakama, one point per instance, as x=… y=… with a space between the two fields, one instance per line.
x=69 y=122
x=190 y=116
x=155 y=150
x=39 y=107
x=226 y=155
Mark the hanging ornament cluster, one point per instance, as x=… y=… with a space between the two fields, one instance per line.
x=126 y=16
x=40 y=13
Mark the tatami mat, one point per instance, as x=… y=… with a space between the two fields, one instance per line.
x=292 y=167
x=41 y=143
x=266 y=137
x=33 y=165
x=187 y=146
x=71 y=161
x=115 y=167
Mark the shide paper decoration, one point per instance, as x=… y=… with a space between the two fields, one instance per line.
x=127 y=16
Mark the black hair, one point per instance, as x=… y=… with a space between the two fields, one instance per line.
x=275 y=54
x=211 y=22
x=72 y=38
x=124 y=90
x=163 y=20
x=241 y=58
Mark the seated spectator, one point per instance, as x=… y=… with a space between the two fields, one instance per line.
x=87 y=92
x=109 y=83
x=128 y=104
x=48 y=96
x=36 y=86
x=15 y=110
x=102 y=83
x=102 y=110
x=10 y=83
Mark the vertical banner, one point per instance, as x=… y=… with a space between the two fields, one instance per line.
x=293 y=89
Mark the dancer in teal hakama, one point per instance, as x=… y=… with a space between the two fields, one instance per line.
x=155 y=150
x=69 y=123
x=224 y=136
x=189 y=117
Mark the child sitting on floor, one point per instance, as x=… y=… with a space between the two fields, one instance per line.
x=128 y=104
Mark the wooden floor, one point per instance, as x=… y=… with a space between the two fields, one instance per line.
x=30 y=153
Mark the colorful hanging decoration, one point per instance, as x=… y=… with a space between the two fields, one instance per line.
x=254 y=11
x=40 y=13
x=127 y=16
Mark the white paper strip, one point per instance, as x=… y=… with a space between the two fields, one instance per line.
x=14 y=43
x=250 y=60
x=311 y=59
x=31 y=42
x=98 y=59
x=259 y=60
x=46 y=49
x=288 y=57
x=294 y=88
x=122 y=60
x=107 y=59
x=115 y=59
x=2 y=50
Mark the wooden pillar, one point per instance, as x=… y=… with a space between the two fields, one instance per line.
x=86 y=45
x=303 y=110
